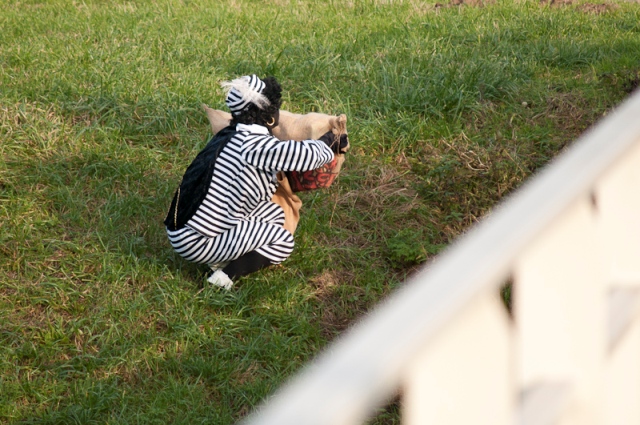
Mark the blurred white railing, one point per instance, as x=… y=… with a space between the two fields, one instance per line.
x=569 y=241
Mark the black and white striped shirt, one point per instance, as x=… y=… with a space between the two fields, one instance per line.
x=244 y=177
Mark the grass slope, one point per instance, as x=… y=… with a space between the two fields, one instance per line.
x=450 y=108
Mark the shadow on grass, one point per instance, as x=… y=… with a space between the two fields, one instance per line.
x=109 y=197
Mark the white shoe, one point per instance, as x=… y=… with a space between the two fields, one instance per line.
x=220 y=278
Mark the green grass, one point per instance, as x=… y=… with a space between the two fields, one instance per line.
x=450 y=108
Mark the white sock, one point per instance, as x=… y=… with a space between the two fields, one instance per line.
x=220 y=278
x=218 y=266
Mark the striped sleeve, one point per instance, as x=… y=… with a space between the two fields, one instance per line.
x=270 y=154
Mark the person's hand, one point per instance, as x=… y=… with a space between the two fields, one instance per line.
x=337 y=146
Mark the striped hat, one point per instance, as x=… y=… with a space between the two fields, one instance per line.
x=243 y=91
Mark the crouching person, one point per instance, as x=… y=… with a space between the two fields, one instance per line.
x=222 y=214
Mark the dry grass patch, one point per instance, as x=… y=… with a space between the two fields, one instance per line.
x=596 y=8
x=337 y=311
x=459 y=3
x=570 y=111
x=383 y=206
x=592 y=8
x=462 y=179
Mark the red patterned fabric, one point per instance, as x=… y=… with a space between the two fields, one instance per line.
x=319 y=178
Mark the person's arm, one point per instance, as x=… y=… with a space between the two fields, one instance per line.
x=270 y=154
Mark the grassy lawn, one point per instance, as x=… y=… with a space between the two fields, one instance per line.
x=450 y=106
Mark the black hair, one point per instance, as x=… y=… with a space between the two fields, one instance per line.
x=254 y=115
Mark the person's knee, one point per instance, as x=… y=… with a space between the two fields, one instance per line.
x=279 y=252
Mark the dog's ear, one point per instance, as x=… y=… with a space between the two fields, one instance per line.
x=339 y=124
x=340 y=130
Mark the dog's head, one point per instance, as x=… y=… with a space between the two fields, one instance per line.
x=339 y=128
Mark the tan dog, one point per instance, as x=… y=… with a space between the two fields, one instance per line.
x=291 y=127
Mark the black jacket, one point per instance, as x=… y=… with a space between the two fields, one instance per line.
x=196 y=180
